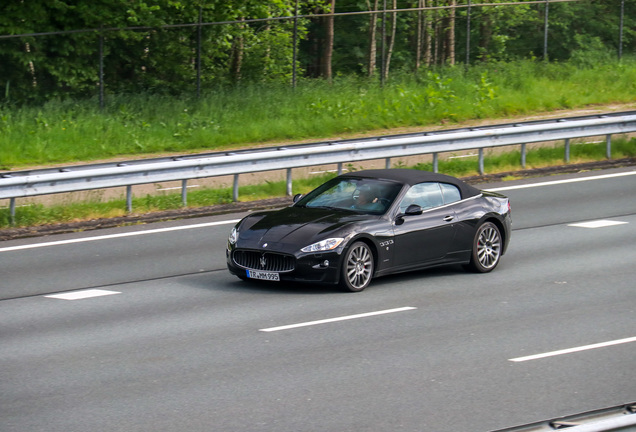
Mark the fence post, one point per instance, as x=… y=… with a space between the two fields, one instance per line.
x=620 y=31
x=199 y=52
x=12 y=211
x=523 y=156
x=289 y=181
x=468 y=35
x=545 y=30
x=101 y=70
x=184 y=192
x=295 y=48
x=235 y=188
x=129 y=199
x=383 y=49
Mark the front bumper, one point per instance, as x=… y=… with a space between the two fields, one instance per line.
x=318 y=268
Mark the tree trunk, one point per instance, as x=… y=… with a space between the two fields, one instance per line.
x=391 y=43
x=236 y=61
x=327 y=52
x=485 y=36
x=34 y=80
x=450 y=35
x=419 y=36
x=436 y=38
x=428 y=35
x=373 y=45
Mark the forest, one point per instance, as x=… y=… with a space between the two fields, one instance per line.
x=63 y=49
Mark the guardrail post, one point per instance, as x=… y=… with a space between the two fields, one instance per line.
x=523 y=155
x=387 y=163
x=12 y=211
x=481 y=161
x=435 y=162
x=608 y=146
x=184 y=192
x=289 y=181
x=129 y=199
x=566 y=158
x=235 y=188
x=339 y=168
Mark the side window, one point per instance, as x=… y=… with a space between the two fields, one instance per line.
x=450 y=192
x=426 y=195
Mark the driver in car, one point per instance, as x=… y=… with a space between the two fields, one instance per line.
x=368 y=200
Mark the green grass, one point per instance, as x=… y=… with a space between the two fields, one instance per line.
x=38 y=214
x=131 y=126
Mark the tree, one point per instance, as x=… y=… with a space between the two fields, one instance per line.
x=390 y=42
x=372 y=39
x=327 y=53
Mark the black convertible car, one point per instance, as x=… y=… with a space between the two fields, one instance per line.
x=366 y=224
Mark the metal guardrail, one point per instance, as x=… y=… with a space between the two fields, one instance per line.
x=617 y=418
x=31 y=183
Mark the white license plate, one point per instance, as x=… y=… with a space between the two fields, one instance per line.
x=263 y=275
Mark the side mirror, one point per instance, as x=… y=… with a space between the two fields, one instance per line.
x=413 y=210
x=297 y=198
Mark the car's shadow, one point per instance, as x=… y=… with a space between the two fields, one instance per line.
x=212 y=282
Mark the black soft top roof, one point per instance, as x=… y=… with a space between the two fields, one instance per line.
x=411 y=177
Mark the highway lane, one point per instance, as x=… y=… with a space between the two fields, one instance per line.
x=166 y=250
x=187 y=351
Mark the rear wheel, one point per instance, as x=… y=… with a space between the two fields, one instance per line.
x=486 y=248
x=357 y=268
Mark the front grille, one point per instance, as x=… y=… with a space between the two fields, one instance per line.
x=265 y=261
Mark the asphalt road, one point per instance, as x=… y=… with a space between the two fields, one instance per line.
x=178 y=344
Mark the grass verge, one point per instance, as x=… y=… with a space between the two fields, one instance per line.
x=63 y=132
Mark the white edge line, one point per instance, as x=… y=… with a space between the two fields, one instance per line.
x=557 y=182
x=112 y=236
x=573 y=350
x=343 y=318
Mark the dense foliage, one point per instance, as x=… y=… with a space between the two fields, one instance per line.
x=56 y=49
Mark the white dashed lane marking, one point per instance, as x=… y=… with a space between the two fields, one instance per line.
x=343 y=318
x=84 y=294
x=573 y=350
x=597 y=224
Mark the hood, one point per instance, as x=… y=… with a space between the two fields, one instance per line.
x=294 y=227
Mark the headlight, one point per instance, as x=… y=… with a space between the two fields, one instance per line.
x=233 y=236
x=324 y=245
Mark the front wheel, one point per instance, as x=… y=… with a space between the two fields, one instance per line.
x=486 y=248
x=357 y=268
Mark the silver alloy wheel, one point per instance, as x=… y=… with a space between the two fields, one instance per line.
x=488 y=246
x=358 y=269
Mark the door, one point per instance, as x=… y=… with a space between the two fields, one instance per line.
x=424 y=238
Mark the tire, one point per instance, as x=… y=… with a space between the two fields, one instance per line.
x=487 y=247
x=357 y=267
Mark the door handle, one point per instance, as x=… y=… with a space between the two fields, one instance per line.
x=449 y=218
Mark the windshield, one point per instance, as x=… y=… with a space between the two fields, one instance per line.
x=357 y=194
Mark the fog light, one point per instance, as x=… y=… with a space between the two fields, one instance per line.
x=322 y=265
